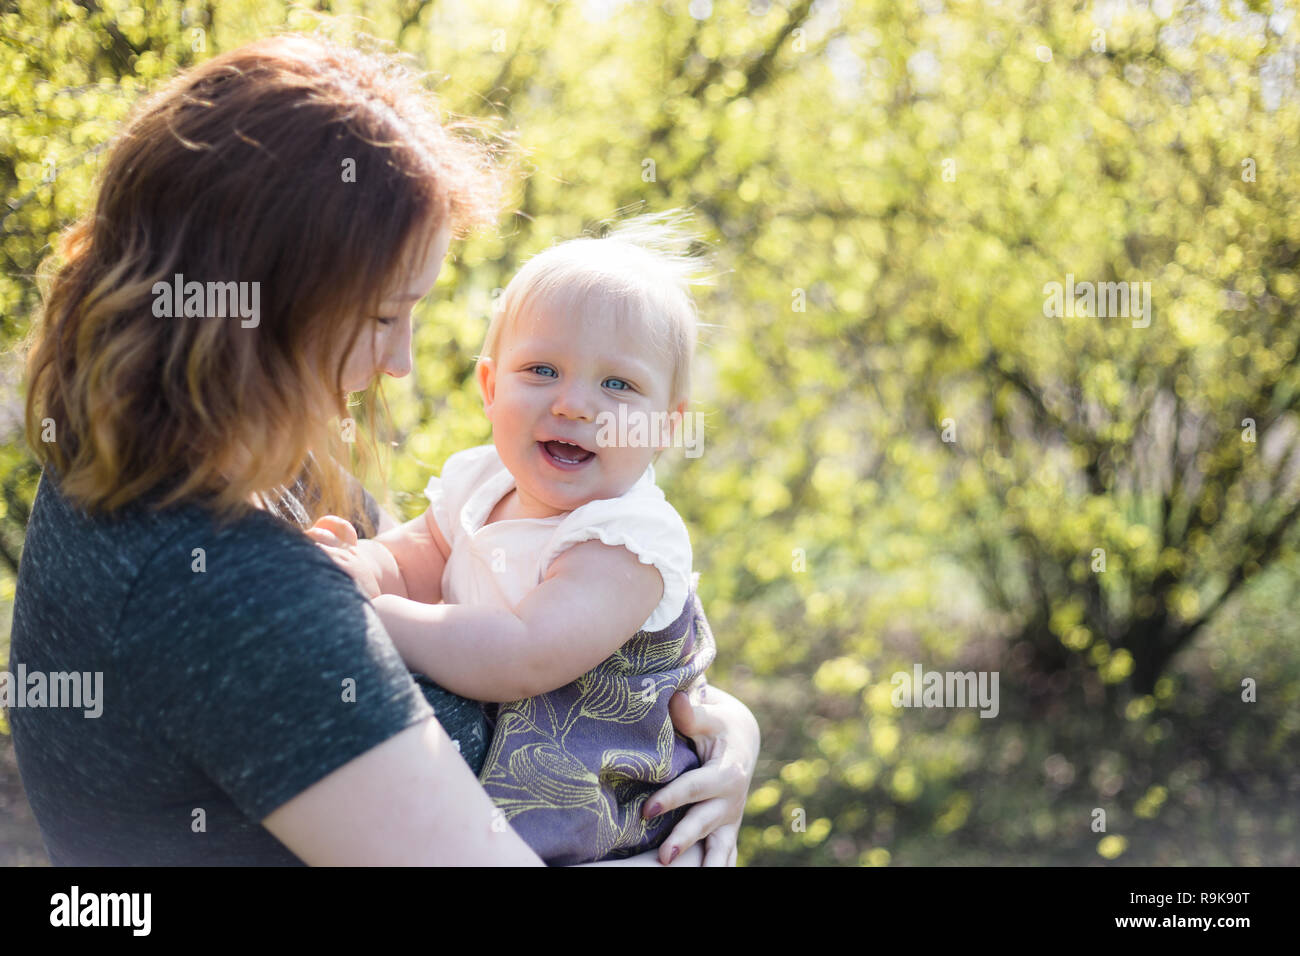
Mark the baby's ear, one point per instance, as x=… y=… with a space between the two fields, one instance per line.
x=487 y=382
x=675 y=420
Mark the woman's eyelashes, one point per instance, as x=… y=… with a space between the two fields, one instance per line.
x=545 y=371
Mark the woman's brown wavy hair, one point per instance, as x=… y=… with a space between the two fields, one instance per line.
x=320 y=172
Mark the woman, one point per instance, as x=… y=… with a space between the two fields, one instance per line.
x=264 y=227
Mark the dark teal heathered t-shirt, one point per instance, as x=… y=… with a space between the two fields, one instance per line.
x=226 y=691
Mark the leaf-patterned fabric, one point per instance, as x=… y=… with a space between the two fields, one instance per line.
x=573 y=768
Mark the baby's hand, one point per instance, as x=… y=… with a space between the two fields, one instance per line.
x=338 y=539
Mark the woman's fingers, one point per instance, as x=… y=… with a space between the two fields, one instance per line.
x=717 y=789
x=717 y=779
x=694 y=785
x=700 y=821
x=720 y=847
x=691 y=856
x=698 y=721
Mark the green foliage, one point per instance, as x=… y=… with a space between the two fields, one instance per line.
x=907 y=459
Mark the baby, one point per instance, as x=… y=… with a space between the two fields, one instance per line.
x=566 y=574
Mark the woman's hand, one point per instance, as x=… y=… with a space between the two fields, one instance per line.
x=691 y=856
x=338 y=538
x=727 y=738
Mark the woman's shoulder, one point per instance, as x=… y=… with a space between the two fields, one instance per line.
x=238 y=647
x=262 y=558
x=144 y=553
x=173 y=598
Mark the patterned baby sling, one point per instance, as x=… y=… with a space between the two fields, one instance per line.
x=572 y=769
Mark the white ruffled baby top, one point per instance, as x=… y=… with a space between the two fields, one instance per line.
x=498 y=564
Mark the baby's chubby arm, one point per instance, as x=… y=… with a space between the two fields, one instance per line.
x=592 y=599
x=412 y=557
x=407 y=560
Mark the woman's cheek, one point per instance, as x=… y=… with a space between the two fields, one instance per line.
x=358 y=366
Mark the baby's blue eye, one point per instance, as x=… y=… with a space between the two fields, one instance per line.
x=627 y=387
x=541 y=369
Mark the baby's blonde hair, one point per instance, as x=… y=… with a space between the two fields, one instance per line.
x=642 y=266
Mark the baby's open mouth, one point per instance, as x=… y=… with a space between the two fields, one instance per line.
x=565 y=453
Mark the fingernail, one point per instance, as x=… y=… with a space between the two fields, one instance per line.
x=673 y=855
x=653 y=810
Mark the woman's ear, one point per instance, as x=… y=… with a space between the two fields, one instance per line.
x=487 y=383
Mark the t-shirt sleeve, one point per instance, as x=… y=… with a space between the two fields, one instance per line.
x=650 y=529
x=262 y=665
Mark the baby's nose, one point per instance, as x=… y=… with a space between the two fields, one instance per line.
x=574 y=402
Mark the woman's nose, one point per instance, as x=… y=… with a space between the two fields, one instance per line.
x=397 y=361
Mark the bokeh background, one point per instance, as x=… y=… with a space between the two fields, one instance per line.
x=907 y=460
